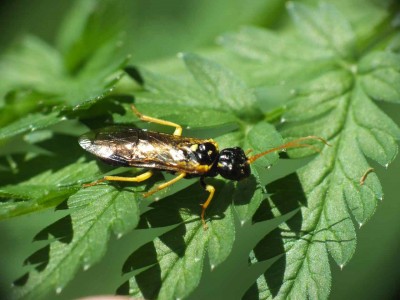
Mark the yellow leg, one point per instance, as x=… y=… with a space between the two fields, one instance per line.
x=165 y=184
x=211 y=190
x=178 y=128
x=139 y=178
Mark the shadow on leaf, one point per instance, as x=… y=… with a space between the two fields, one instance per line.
x=64 y=151
x=152 y=261
x=286 y=195
x=61 y=231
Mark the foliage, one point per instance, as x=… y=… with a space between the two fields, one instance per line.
x=321 y=74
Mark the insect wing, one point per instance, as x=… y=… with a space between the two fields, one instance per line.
x=111 y=144
x=127 y=146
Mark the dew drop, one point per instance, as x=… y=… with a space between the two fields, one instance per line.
x=212 y=267
x=282 y=120
x=188 y=127
x=381 y=198
x=64 y=118
x=131 y=291
x=269 y=167
x=59 y=290
x=360 y=225
x=386 y=165
x=157 y=199
x=341 y=267
x=197 y=259
x=119 y=235
x=86 y=267
x=242 y=222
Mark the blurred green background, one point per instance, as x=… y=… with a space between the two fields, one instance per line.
x=156 y=30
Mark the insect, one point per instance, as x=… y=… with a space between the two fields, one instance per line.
x=184 y=156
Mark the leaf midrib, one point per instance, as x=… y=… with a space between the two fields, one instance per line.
x=322 y=207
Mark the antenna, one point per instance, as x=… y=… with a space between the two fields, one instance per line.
x=292 y=144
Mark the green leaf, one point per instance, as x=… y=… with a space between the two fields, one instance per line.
x=213 y=98
x=173 y=263
x=217 y=242
x=325 y=27
x=249 y=193
x=166 y=90
x=85 y=72
x=318 y=77
x=249 y=188
x=19 y=103
x=95 y=211
x=30 y=123
x=168 y=260
x=45 y=190
x=215 y=89
x=198 y=117
x=335 y=103
x=51 y=84
x=381 y=75
x=222 y=86
x=277 y=65
x=89 y=27
x=30 y=64
x=263 y=45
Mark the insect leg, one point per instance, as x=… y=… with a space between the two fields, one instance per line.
x=165 y=184
x=211 y=190
x=178 y=128
x=139 y=178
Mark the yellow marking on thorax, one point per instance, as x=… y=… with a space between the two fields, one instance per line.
x=203 y=168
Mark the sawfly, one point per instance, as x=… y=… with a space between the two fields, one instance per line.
x=184 y=156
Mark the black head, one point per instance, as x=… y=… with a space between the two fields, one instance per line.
x=233 y=164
